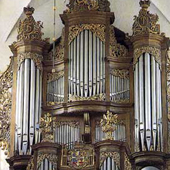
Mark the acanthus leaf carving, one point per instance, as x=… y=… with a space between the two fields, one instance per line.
x=145 y=22
x=97 y=29
x=29 y=29
x=5 y=107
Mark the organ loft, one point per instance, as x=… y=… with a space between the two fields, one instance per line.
x=94 y=99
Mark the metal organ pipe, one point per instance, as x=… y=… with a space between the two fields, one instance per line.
x=109 y=164
x=86 y=65
x=148 y=111
x=28 y=105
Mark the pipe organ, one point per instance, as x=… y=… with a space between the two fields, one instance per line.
x=95 y=99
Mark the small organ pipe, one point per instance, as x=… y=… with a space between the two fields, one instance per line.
x=78 y=65
x=90 y=63
x=74 y=69
x=81 y=65
x=94 y=65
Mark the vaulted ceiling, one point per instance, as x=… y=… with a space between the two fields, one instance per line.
x=12 y=11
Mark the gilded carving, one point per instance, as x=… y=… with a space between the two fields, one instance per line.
x=54 y=76
x=145 y=22
x=46 y=126
x=50 y=157
x=53 y=103
x=122 y=73
x=88 y=5
x=116 y=50
x=29 y=29
x=97 y=29
x=31 y=164
x=127 y=163
x=33 y=56
x=100 y=97
x=108 y=124
x=114 y=155
x=5 y=107
x=156 y=53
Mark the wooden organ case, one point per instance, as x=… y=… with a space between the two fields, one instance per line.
x=56 y=117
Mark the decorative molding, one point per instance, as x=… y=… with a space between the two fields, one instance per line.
x=122 y=73
x=88 y=5
x=108 y=124
x=156 y=53
x=50 y=157
x=114 y=155
x=5 y=107
x=29 y=29
x=145 y=22
x=97 y=29
x=100 y=97
x=127 y=164
x=54 y=76
x=116 y=50
x=46 y=126
x=33 y=56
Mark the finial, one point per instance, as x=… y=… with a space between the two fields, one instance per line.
x=145 y=4
x=28 y=10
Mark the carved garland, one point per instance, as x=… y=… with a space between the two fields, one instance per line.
x=5 y=107
x=156 y=52
x=122 y=73
x=114 y=155
x=100 y=97
x=51 y=158
x=54 y=76
x=33 y=56
x=116 y=50
x=97 y=29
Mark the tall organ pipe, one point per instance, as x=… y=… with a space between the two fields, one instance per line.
x=148 y=106
x=28 y=106
x=86 y=65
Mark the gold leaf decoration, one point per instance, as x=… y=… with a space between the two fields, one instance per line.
x=156 y=53
x=54 y=76
x=145 y=22
x=122 y=73
x=29 y=29
x=97 y=29
x=116 y=50
x=114 y=155
x=100 y=97
x=46 y=126
x=127 y=163
x=88 y=5
x=5 y=107
x=33 y=56
x=108 y=124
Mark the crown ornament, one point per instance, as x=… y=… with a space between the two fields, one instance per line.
x=28 y=11
x=145 y=4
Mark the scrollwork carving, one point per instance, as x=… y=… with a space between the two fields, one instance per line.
x=31 y=164
x=145 y=22
x=100 y=97
x=114 y=155
x=33 y=56
x=97 y=29
x=29 y=29
x=50 y=157
x=5 y=106
x=54 y=76
x=88 y=5
x=116 y=50
x=122 y=73
x=156 y=53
